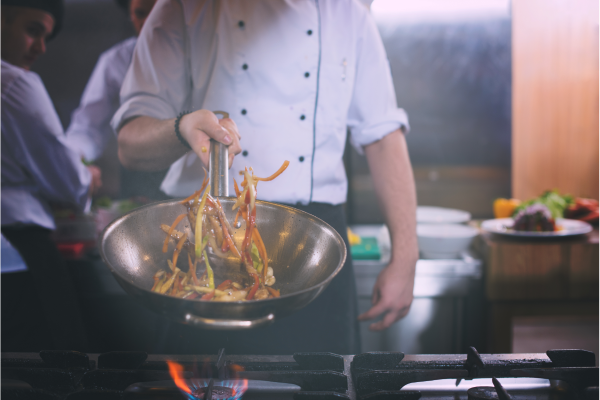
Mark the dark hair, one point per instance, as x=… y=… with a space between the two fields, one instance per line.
x=56 y=8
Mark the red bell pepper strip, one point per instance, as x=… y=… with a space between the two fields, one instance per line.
x=254 y=288
x=224 y=284
x=208 y=296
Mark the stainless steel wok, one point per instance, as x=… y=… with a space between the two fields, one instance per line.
x=305 y=253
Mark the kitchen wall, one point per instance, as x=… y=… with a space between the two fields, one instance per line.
x=451 y=64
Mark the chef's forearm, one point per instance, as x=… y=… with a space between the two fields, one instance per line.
x=149 y=144
x=392 y=176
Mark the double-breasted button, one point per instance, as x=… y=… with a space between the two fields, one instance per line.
x=245 y=153
x=241 y=24
x=308 y=32
x=306 y=74
x=301 y=158
x=244 y=111
x=302 y=117
x=245 y=66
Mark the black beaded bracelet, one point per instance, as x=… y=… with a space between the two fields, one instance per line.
x=178 y=133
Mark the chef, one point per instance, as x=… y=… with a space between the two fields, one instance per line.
x=294 y=75
x=39 y=306
x=89 y=131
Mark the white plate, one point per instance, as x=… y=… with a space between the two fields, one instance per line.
x=569 y=227
x=440 y=215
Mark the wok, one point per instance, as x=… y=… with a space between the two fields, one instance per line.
x=305 y=253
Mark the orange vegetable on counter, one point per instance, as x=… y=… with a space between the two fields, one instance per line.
x=505 y=208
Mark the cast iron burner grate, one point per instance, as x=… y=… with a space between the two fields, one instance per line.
x=68 y=375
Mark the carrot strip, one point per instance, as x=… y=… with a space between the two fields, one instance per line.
x=237 y=189
x=276 y=174
x=191 y=197
x=171 y=229
x=197 y=192
x=178 y=248
x=274 y=292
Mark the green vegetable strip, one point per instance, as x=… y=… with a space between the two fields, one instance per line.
x=198 y=232
x=209 y=273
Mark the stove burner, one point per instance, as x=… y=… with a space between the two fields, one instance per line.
x=488 y=392
x=482 y=393
x=218 y=392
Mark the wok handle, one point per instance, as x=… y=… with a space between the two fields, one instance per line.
x=218 y=165
x=228 y=324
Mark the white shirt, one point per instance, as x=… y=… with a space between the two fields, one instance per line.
x=37 y=165
x=90 y=130
x=292 y=74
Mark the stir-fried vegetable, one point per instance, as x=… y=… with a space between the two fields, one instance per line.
x=209 y=223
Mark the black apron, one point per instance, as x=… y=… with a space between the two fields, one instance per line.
x=40 y=309
x=327 y=324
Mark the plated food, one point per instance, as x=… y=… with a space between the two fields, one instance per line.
x=190 y=276
x=534 y=218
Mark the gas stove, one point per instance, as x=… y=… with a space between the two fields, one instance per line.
x=69 y=375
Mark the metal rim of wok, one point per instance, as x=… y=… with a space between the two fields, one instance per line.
x=219 y=315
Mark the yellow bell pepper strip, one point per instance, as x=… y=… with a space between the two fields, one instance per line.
x=254 y=288
x=157 y=278
x=505 y=208
x=198 y=231
x=171 y=229
x=209 y=272
x=178 y=248
x=167 y=285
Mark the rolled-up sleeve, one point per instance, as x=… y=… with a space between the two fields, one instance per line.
x=373 y=111
x=158 y=79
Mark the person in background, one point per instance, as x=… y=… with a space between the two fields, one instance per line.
x=39 y=306
x=90 y=132
x=294 y=76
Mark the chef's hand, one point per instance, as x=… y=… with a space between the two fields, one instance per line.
x=198 y=127
x=392 y=294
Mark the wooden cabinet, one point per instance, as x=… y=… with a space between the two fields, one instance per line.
x=555 y=97
x=538 y=277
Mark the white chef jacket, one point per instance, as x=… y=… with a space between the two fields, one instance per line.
x=293 y=74
x=37 y=164
x=90 y=129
